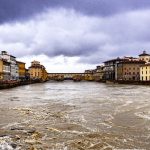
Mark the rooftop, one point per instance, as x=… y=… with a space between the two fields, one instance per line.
x=144 y=54
x=21 y=62
x=133 y=62
x=113 y=60
x=147 y=64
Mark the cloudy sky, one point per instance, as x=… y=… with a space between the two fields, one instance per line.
x=74 y=35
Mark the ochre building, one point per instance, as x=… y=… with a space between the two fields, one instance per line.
x=21 y=70
x=4 y=70
x=129 y=70
x=99 y=73
x=37 y=71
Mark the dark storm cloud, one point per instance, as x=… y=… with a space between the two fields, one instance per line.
x=72 y=34
x=20 y=9
x=12 y=10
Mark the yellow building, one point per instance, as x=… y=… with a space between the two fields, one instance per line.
x=99 y=73
x=37 y=71
x=1 y=69
x=145 y=72
x=21 y=70
x=4 y=70
x=88 y=77
x=129 y=70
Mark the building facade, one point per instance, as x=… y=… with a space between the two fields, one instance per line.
x=4 y=70
x=144 y=57
x=129 y=70
x=1 y=69
x=13 y=64
x=21 y=70
x=37 y=71
x=99 y=73
x=13 y=68
x=110 y=69
x=145 y=72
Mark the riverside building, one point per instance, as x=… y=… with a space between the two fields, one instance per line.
x=21 y=70
x=145 y=72
x=37 y=71
x=110 y=68
x=144 y=57
x=99 y=73
x=14 y=75
x=4 y=70
x=89 y=75
x=129 y=69
x=145 y=68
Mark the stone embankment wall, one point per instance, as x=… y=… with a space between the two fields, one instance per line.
x=12 y=84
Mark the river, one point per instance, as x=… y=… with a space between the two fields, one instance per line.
x=75 y=116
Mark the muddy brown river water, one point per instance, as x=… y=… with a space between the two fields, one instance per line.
x=75 y=116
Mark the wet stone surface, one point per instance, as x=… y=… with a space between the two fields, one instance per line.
x=75 y=116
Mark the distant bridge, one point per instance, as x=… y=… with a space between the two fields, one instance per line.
x=68 y=75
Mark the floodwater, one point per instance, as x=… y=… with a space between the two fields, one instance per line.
x=75 y=116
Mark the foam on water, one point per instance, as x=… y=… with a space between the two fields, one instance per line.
x=11 y=124
x=6 y=144
x=143 y=115
x=127 y=103
x=142 y=106
x=106 y=125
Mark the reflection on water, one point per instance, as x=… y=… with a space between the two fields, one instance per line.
x=75 y=116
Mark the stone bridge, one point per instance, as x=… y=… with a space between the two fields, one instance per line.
x=68 y=75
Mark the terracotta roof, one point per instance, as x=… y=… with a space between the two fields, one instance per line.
x=133 y=62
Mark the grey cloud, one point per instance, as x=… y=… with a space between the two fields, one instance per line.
x=69 y=33
x=13 y=10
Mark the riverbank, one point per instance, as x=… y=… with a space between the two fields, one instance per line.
x=12 y=84
x=128 y=82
